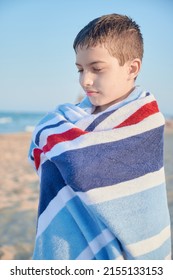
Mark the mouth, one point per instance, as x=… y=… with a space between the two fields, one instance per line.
x=91 y=93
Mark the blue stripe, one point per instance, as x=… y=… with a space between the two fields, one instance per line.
x=51 y=183
x=37 y=138
x=31 y=157
x=61 y=240
x=129 y=214
x=75 y=227
x=110 y=252
x=112 y=163
x=98 y=120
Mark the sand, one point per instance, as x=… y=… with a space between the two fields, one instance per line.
x=19 y=191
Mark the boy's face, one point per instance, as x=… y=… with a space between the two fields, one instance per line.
x=102 y=78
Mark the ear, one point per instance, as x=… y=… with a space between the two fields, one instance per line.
x=134 y=68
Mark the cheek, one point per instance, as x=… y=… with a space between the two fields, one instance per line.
x=110 y=81
x=79 y=77
x=103 y=81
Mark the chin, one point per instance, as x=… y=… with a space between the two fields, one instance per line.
x=95 y=102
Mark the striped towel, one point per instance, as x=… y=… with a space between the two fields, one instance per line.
x=102 y=182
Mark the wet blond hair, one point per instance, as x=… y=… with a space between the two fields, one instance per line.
x=118 y=33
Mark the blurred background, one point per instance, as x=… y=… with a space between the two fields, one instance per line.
x=38 y=72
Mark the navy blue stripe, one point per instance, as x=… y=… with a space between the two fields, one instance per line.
x=111 y=163
x=98 y=120
x=37 y=138
x=51 y=183
x=32 y=157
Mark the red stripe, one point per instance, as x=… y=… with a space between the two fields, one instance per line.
x=142 y=113
x=54 y=139
x=37 y=153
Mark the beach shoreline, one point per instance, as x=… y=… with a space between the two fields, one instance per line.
x=20 y=190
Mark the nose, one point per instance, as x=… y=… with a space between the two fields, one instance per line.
x=85 y=79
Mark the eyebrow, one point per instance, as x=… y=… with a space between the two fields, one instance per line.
x=92 y=63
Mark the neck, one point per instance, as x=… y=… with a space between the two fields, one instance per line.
x=102 y=108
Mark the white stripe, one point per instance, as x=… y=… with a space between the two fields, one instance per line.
x=148 y=245
x=125 y=112
x=120 y=257
x=48 y=122
x=54 y=130
x=96 y=245
x=101 y=137
x=43 y=159
x=123 y=189
x=55 y=205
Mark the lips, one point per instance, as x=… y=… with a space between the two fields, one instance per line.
x=91 y=93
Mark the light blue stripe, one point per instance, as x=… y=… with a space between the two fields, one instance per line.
x=47 y=118
x=136 y=217
x=32 y=147
x=158 y=254
x=72 y=228
x=109 y=252
x=61 y=240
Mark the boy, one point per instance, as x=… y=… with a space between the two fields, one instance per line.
x=100 y=162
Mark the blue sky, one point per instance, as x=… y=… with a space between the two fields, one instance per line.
x=37 y=61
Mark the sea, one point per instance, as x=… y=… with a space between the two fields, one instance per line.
x=12 y=122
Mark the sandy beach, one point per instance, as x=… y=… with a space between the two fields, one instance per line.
x=18 y=198
x=19 y=190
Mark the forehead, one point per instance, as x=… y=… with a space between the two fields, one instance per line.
x=88 y=55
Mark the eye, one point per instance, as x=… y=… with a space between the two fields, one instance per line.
x=97 y=69
x=80 y=70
